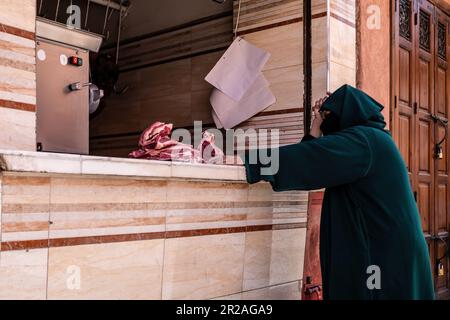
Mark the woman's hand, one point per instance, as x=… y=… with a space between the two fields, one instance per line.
x=318 y=118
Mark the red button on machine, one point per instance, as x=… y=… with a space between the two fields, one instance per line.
x=76 y=61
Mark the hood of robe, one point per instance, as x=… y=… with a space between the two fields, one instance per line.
x=352 y=107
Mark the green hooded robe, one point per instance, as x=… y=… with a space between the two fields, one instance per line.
x=371 y=240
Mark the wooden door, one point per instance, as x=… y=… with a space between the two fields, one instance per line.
x=423 y=109
x=421 y=104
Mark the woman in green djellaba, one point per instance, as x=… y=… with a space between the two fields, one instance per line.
x=370 y=224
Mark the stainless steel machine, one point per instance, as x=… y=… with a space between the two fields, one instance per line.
x=62 y=75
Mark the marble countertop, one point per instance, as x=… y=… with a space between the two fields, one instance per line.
x=56 y=163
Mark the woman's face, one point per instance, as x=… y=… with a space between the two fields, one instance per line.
x=324 y=114
x=330 y=122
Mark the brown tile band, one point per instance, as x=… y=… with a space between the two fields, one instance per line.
x=17 y=32
x=67 y=242
x=17 y=65
x=343 y=20
x=17 y=105
x=24 y=245
x=203 y=232
x=279 y=24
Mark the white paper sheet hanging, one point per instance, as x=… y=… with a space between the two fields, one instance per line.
x=238 y=68
x=231 y=113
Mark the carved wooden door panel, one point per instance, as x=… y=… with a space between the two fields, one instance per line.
x=421 y=106
x=423 y=109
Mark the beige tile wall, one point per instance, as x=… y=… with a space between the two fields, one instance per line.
x=203 y=267
x=25 y=208
x=17 y=75
x=23 y=274
x=261 y=13
x=91 y=207
x=342 y=37
x=92 y=237
x=128 y=270
x=284 y=71
x=18 y=13
x=18 y=129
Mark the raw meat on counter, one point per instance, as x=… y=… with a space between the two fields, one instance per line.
x=209 y=151
x=155 y=144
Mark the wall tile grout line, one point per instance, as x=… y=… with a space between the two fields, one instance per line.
x=245 y=241
x=164 y=241
x=48 y=230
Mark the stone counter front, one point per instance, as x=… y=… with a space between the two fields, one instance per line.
x=75 y=227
